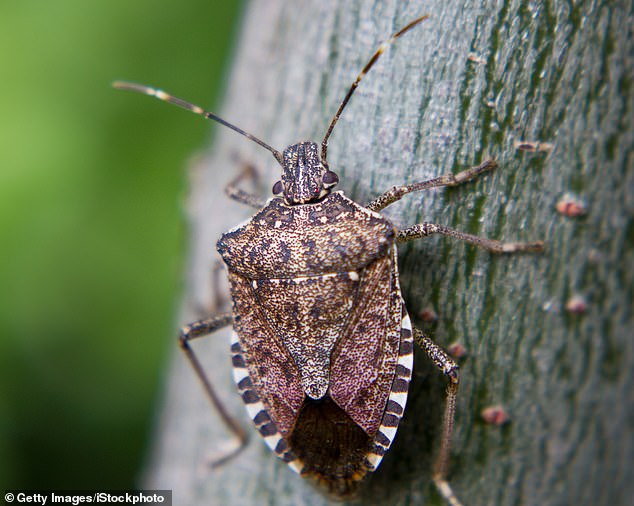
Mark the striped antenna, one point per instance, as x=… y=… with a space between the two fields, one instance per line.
x=166 y=97
x=366 y=69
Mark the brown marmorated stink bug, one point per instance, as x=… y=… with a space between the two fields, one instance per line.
x=322 y=345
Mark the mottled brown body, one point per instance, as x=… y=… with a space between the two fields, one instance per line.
x=318 y=317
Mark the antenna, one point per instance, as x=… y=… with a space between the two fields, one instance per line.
x=166 y=97
x=366 y=69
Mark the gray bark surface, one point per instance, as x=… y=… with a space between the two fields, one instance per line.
x=555 y=72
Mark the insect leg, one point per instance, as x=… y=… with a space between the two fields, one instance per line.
x=396 y=193
x=220 y=300
x=218 y=303
x=444 y=362
x=426 y=229
x=247 y=171
x=203 y=328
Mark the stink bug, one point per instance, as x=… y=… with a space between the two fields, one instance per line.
x=322 y=345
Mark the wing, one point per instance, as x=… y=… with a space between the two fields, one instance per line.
x=272 y=372
x=365 y=359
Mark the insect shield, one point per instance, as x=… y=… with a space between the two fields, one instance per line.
x=323 y=346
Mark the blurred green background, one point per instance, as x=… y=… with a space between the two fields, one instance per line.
x=92 y=235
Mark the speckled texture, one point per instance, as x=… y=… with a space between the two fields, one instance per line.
x=318 y=320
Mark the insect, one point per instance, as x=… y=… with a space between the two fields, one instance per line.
x=323 y=346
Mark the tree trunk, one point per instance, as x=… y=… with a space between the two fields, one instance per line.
x=467 y=84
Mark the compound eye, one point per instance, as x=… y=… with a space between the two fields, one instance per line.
x=277 y=188
x=330 y=178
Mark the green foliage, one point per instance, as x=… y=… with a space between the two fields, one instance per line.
x=91 y=184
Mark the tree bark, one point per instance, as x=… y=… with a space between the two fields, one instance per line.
x=466 y=84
